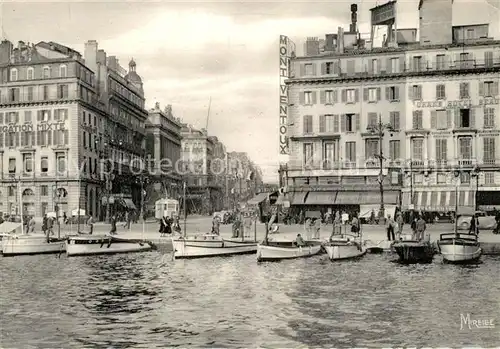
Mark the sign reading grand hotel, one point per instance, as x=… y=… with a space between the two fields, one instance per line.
x=462 y=103
x=56 y=126
x=284 y=74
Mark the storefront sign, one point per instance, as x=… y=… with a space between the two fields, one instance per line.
x=56 y=126
x=462 y=103
x=284 y=74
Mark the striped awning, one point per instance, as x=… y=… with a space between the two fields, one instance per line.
x=439 y=201
x=348 y=198
x=321 y=198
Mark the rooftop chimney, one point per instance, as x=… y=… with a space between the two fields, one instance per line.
x=354 y=18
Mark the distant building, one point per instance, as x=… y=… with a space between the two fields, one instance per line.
x=244 y=177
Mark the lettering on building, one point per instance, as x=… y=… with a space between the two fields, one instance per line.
x=462 y=103
x=284 y=57
x=56 y=126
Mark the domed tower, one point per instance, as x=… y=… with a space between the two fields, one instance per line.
x=133 y=77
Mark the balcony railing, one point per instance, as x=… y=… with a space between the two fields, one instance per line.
x=490 y=161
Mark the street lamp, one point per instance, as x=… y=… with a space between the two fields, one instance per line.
x=378 y=129
x=143 y=179
x=475 y=174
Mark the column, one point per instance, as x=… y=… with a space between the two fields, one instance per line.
x=475 y=150
x=426 y=150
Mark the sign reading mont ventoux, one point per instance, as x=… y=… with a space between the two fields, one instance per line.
x=284 y=74
x=56 y=126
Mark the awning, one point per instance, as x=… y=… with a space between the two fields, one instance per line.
x=439 y=201
x=407 y=200
x=129 y=204
x=299 y=198
x=257 y=199
x=348 y=198
x=321 y=198
x=365 y=211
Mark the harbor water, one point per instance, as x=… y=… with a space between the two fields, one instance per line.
x=147 y=300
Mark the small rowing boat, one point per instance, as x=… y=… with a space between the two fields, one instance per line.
x=459 y=248
x=279 y=250
x=88 y=244
x=345 y=247
x=210 y=245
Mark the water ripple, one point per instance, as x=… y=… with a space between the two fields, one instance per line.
x=147 y=301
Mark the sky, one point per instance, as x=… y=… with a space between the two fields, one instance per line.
x=188 y=52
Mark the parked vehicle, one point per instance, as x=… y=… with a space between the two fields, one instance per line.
x=486 y=222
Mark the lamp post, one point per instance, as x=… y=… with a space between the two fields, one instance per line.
x=143 y=179
x=378 y=129
x=475 y=174
x=456 y=174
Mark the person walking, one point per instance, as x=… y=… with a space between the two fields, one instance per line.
x=399 y=226
x=90 y=223
x=390 y=228
x=355 y=225
x=474 y=225
x=113 y=226
x=31 y=225
x=317 y=228
x=420 y=227
x=44 y=224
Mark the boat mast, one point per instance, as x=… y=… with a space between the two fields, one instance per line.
x=19 y=192
x=79 y=199
x=184 y=204
x=457 y=178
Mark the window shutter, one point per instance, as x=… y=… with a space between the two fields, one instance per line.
x=415 y=119
x=419 y=91
x=495 y=88
x=39 y=116
x=481 y=88
x=49 y=138
x=336 y=68
x=437 y=91
x=322 y=97
x=388 y=65
x=370 y=67
x=457 y=117
x=438 y=149
x=365 y=94
x=335 y=96
x=410 y=93
x=449 y=116
x=344 y=95
x=23 y=139
x=302 y=70
x=401 y=64
x=313 y=97
x=304 y=124
x=358 y=122
x=56 y=137
x=433 y=119
x=49 y=114
x=323 y=68
x=302 y=99
x=410 y=64
x=322 y=123
x=457 y=59
x=342 y=123
x=314 y=69
x=379 y=93
x=388 y=93
x=396 y=92
x=444 y=91
x=336 y=123
x=396 y=121
x=472 y=117
x=356 y=95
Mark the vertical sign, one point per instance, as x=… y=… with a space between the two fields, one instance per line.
x=283 y=110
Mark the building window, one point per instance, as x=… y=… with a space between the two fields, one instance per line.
x=27 y=139
x=440 y=62
x=489 y=178
x=329 y=154
x=14 y=95
x=465 y=177
x=372 y=95
x=326 y=123
x=60 y=114
x=350 y=122
x=417 y=151
x=44 y=190
x=30 y=94
x=30 y=74
x=490 y=89
x=46 y=72
x=392 y=93
x=63 y=71
x=12 y=165
x=464 y=59
x=416 y=92
x=440 y=91
x=308 y=124
x=13 y=74
x=372 y=120
x=28 y=163
x=371 y=148
x=329 y=97
x=27 y=116
x=43 y=115
x=465 y=148
x=489 y=117
x=488 y=59
x=62 y=91
x=417 y=120
x=61 y=163
x=350 y=151
x=394 y=65
x=464 y=90
x=395 y=150
x=441 y=178
x=44 y=208
x=308 y=153
x=394 y=117
x=441 y=119
x=489 y=150
x=329 y=68
x=309 y=70
x=374 y=68
x=470 y=34
x=45 y=93
x=308 y=97
x=441 y=151
x=44 y=164
x=350 y=96
x=350 y=65
x=464 y=118
x=417 y=64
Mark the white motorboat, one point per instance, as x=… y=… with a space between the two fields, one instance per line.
x=83 y=245
x=278 y=250
x=344 y=247
x=30 y=244
x=210 y=245
x=459 y=247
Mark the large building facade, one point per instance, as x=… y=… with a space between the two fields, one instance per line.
x=428 y=109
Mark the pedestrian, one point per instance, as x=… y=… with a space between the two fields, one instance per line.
x=90 y=223
x=420 y=227
x=163 y=226
x=113 y=226
x=44 y=224
x=31 y=225
x=317 y=229
x=307 y=228
x=399 y=226
x=390 y=228
x=215 y=225
x=355 y=225
x=474 y=226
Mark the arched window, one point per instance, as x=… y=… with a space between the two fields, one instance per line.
x=28 y=192
x=13 y=74
x=46 y=72
x=63 y=71
x=30 y=74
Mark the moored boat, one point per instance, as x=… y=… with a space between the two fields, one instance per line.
x=459 y=247
x=210 y=245
x=413 y=251
x=31 y=244
x=279 y=250
x=82 y=245
x=345 y=247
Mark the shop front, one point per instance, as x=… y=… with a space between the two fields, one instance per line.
x=488 y=200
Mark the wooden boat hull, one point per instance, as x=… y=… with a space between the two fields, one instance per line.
x=459 y=248
x=276 y=253
x=411 y=252
x=210 y=246
x=343 y=252
x=31 y=244
x=103 y=244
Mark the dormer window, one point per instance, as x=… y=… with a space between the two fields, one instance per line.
x=46 y=72
x=13 y=74
x=30 y=74
x=63 y=71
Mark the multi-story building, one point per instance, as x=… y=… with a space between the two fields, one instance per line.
x=419 y=97
x=163 y=151
x=203 y=195
x=123 y=135
x=244 y=178
x=46 y=94
x=218 y=169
